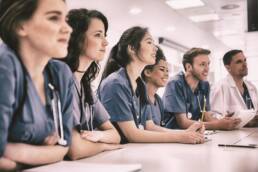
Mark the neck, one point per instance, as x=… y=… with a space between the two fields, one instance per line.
x=134 y=70
x=151 y=89
x=239 y=81
x=33 y=61
x=84 y=64
x=191 y=81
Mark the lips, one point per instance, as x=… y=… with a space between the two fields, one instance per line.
x=63 y=40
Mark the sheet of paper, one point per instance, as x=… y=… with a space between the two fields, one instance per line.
x=68 y=166
x=245 y=116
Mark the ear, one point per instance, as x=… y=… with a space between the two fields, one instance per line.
x=188 y=67
x=147 y=72
x=131 y=50
x=21 y=30
x=228 y=68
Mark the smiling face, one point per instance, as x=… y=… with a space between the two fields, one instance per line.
x=95 y=40
x=200 y=67
x=158 y=76
x=47 y=32
x=147 y=51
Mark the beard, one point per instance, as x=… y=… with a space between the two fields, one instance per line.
x=196 y=75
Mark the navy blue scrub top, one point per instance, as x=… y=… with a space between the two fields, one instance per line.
x=84 y=118
x=35 y=122
x=156 y=110
x=179 y=98
x=122 y=104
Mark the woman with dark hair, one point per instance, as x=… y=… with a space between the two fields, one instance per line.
x=87 y=46
x=35 y=110
x=156 y=76
x=123 y=93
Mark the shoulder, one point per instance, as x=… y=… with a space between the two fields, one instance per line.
x=177 y=81
x=8 y=58
x=115 y=81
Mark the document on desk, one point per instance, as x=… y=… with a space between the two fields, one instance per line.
x=68 y=166
x=245 y=116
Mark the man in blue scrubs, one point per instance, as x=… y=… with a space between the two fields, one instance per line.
x=186 y=97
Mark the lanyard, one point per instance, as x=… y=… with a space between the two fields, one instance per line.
x=85 y=109
x=136 y=115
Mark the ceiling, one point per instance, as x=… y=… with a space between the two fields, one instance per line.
x=230 y=31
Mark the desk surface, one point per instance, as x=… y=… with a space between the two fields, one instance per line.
x=183 y=157
x=207 y=157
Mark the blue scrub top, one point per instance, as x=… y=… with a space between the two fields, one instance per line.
x=179 y=98
x=156 y=110
x=35 y=120
x=83 y=119
x=119 y=100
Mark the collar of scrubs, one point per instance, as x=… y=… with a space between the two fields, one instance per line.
x=246 y=96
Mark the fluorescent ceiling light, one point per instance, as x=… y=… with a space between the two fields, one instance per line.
x=181 y=4
x=204 y=17
x=135 y=11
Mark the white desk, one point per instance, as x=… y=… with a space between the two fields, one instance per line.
x=207 y=157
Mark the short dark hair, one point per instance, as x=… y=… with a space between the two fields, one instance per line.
x=192 y=53
x=159 y=56
x=227 y=58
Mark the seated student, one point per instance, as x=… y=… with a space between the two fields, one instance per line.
x=186 y=97
x=233 y=92
x=156 y=76
x=121 y=89
x=35 y=109
x=87 y=46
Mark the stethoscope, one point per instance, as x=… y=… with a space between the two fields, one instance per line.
x=85 y=108
x=57 y=114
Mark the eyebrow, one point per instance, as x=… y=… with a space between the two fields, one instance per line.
x=54 y=12
x=148 y=38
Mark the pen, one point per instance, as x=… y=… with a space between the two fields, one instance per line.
x=204 y=110
x=239 y=146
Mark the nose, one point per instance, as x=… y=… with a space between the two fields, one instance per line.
x=67 y=28
x=105 y=42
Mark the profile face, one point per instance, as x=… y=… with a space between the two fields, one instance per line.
x=95 y=42
x=158 y=76
x=47 y=31
x=200 y=67
x=238 y=65
x=147 y=51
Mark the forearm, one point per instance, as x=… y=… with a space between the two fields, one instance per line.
x=184 y=123
x=81 y=148
x=110 y=136
x=145 y=136
x=153 y=127
x=33 y=154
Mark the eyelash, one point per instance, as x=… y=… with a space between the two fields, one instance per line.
x=54 y=18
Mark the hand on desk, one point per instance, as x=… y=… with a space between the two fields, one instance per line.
x=7 y=164
x=194 y=134
x=228 y=123
x=94 y=136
